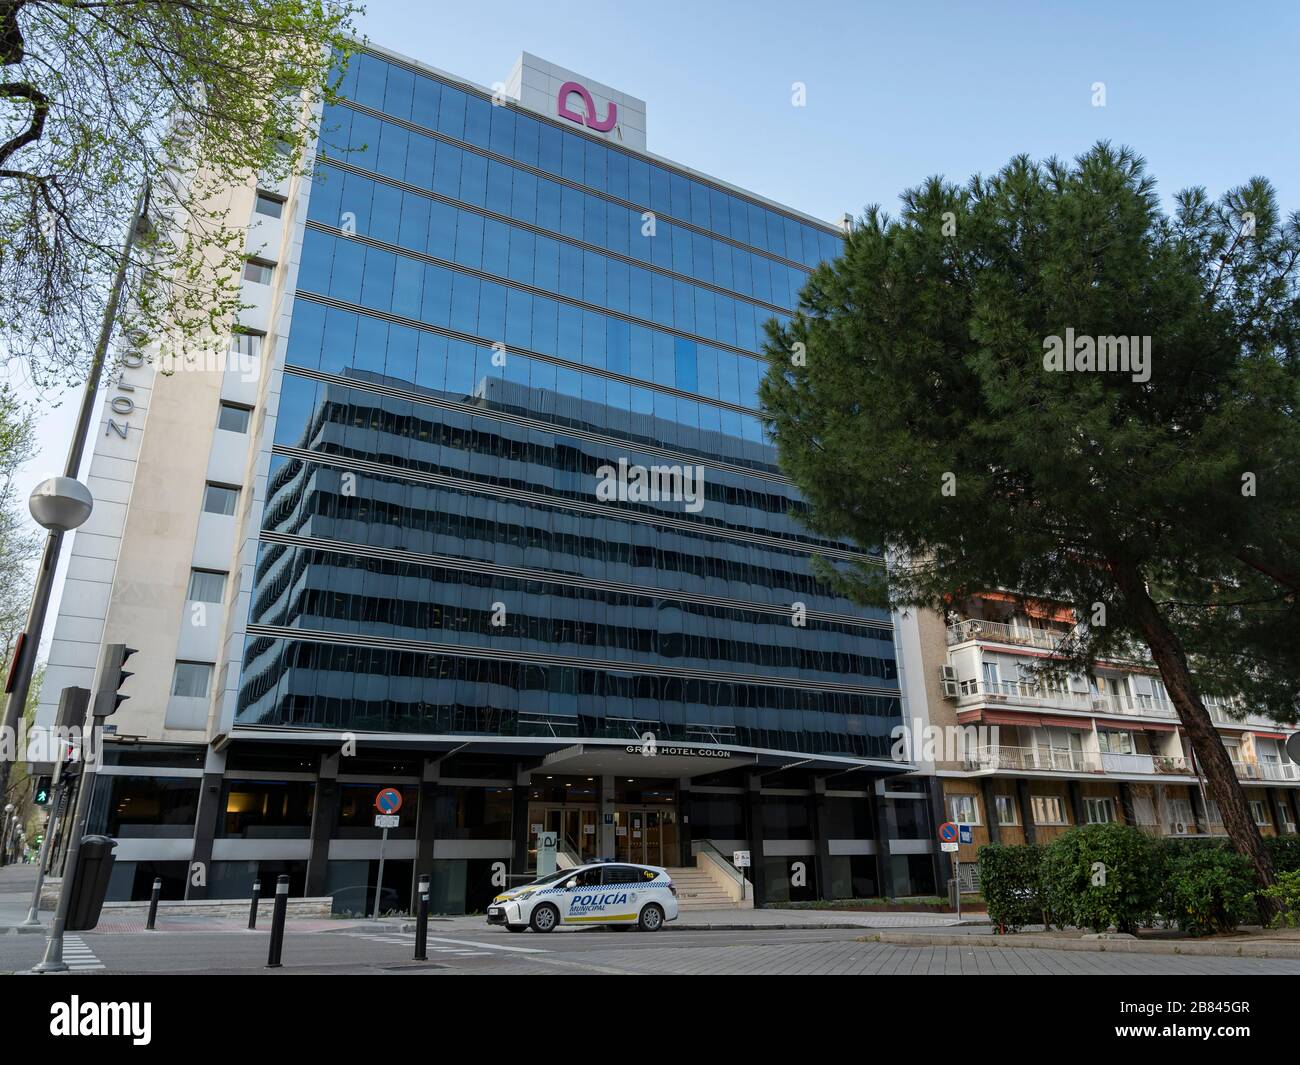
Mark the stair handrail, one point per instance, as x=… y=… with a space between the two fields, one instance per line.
x=707 y=846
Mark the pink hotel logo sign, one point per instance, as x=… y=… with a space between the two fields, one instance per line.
x=589 y=119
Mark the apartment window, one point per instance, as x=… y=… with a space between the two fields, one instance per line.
x=1212 y=814
x=1006 y=808
x=963 y=810
x=206 y=586
x=271 y=206
x=192 y=679
x=1259 y=812
x=220 y=499
x=991 y=675
x=233 y=418
x=1180 y=817
x=1047 y=809
x=1144 y=810
x=259 y=270
x=248 y=345
x=1115 y=742
x=1099 y=811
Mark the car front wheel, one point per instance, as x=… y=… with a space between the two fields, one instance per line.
x=545 y=918
x=652 y=919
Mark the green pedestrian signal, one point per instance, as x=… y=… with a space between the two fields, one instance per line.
x=44 y=785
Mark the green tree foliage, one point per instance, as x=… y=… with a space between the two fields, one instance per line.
x=1011 y=883
x=95 y=98
x=1096 y=876
x=1209 y=889
x=912 y=403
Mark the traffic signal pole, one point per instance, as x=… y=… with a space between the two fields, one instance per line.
x=104 y=702
x=72 y=706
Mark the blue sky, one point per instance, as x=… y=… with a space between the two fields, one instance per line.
x=895 y=92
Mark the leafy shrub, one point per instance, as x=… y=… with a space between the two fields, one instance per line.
x=1285 y=851
x=1011 y=885
x=1286 y=893
x=1208 y=889
x=1095 y=876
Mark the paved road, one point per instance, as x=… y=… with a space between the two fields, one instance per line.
x=381 y=950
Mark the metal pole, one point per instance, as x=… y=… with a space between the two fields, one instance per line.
x=379 y=887
x=47 y=842
x=422 y=922
x=53 y=960
x=153 y=904
x=25 y=660
x=277 y=922
x=252 y=909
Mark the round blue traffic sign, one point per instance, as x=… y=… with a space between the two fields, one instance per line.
x=388 y=801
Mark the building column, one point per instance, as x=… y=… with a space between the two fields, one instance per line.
x=1026 y=810
x=880 y=821
x=1279 y=805
x=205 y=823
x=426 y=824
x=520 y=829
x=1126 y=803
x=990 y=811
x=754 y=834
x=821 y=838
x=606 y=828
x=939 y=859
x=1075 y=791
x=684 y=837
x=324 y=814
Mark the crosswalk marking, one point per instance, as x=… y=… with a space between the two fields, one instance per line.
x=458 y=947
x=78 y=956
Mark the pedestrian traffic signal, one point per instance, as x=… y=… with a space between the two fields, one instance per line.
x=44 y=785
x=110 y=677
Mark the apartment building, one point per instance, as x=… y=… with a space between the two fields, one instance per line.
x=1038 y=754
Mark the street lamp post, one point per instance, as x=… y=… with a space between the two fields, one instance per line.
x=59 y=503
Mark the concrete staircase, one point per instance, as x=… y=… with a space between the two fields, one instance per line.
x=696 y=890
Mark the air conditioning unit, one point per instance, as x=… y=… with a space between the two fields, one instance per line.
x=951 y=689
x=948 y=672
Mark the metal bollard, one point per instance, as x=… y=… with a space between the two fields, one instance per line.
x=252 y=909
x=277 y=921
x=153 y=904
x=422 y=922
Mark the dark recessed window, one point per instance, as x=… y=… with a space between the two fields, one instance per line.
x=259 y=271
x=271 y=206
x=220 y=499
x=206 y=586
x=192 y=679
x=233 y=418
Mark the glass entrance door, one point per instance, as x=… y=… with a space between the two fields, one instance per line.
x=574 y=826
x=646 y=835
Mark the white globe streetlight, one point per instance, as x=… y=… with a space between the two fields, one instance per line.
x=60 y=504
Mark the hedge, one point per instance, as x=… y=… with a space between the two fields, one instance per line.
x=1011 y=885
x=1096 y=876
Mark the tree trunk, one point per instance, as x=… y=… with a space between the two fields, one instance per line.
x=1212 y=757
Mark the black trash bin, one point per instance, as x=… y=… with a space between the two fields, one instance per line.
x=90 y=882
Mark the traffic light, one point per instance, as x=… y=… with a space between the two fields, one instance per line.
x=44 y=785
x=110 y=677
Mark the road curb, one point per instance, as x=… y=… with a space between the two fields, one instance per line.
x=24 y=929
x=1110 y=946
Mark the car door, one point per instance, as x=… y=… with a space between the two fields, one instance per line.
x=578 y=891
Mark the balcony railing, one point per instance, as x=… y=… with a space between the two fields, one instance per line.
x=1060 y=760
x=1267 y=770
x=1042 y=697
x=975 y=629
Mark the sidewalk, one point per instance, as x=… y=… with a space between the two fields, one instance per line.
x=1261 y=944
x=744 y=920
x=16 y=883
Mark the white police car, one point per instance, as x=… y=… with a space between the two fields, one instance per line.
x=603 y=893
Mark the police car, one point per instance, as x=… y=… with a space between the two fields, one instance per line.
x=603 y=893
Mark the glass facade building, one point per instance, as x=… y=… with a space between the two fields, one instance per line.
x=500 y=530
x=490 y=308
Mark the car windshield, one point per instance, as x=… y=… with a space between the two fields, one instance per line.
x=550 y=878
